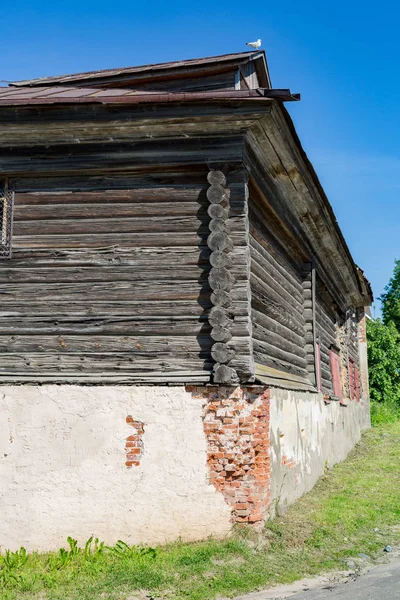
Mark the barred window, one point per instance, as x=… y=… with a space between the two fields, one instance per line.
x=6 y=212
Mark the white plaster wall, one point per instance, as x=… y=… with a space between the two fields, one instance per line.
x=312 y=436
x=62 y=467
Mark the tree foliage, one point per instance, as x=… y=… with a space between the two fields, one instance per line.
x=384 y=362
x=391 y=299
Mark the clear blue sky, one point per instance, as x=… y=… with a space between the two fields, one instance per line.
x=343 y=57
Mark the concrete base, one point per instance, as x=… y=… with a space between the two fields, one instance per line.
x=151 y=464
x=63 y=467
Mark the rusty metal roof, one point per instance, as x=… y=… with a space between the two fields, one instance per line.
x=236 y=58
x=12 y=96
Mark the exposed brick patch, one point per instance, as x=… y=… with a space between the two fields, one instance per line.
x=236 y=424
x=288 y=462
x=134 y=443
x=362 y=330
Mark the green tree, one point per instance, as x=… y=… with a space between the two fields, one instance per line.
x=391 y=299
x=384 y=363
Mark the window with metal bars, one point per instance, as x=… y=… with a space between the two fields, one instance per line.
x=6 y=217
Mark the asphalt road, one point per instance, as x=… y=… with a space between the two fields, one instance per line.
x=381 y=583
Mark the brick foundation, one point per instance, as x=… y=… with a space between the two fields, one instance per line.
x=236 y=424
x=134 y=443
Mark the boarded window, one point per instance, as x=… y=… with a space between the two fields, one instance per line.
x=318 y=366
x=6 y=208
x=335 y=370
x=357 y=384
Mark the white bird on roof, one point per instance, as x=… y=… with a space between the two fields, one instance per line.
x=254 y=45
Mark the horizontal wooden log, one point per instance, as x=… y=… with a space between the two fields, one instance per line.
x=143 y=365
x=93 y=240
x=140 y=290
x=109 y=190
x=108 y=210
x=162 y=224
x=104 y=309
x=61 y=273
x=112 y=255
x=128 y=240
x=87 y=344
x=127 y=326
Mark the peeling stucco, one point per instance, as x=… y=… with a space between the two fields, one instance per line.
x=307 y=436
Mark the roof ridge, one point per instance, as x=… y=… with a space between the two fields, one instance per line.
x=139 y=68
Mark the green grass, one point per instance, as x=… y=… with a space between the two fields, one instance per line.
x=334 y=521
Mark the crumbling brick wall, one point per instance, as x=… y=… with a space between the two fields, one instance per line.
x=236 y=424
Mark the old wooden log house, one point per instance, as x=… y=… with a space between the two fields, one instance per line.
x=182 y=328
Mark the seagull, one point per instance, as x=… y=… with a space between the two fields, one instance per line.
x=254 y=45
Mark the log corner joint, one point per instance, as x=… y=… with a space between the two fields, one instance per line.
x=220 y=278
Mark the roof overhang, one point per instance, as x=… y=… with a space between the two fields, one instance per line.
x=44 y=95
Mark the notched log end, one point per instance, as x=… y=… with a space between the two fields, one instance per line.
x=225 y=374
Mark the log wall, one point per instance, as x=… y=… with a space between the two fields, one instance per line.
x=109 y=279
x=277 y=303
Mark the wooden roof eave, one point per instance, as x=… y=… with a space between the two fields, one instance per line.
x=50 y=125
x=290 y=182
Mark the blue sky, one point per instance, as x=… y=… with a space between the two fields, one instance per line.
x=342 y=56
